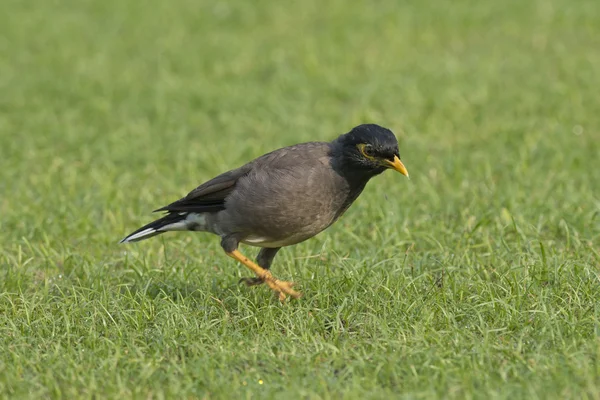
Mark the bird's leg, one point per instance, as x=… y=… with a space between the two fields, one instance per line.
x=281 y=287
x=264 y=259
x=229 y=244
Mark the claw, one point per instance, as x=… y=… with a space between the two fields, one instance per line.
x=283 y=288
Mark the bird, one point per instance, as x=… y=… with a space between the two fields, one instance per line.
x=281 y=198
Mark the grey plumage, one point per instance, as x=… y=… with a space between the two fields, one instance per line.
x=283 y=197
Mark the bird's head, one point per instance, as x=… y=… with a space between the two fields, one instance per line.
x=369 y=148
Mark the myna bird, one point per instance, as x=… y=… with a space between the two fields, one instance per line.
x=281 y=198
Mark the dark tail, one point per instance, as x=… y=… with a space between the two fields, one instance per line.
x=170 y=222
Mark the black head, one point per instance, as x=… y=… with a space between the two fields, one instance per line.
x=369 y=148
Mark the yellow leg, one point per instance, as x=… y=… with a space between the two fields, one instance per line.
x=281 y=287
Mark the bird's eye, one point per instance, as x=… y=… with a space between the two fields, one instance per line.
x=366 y=150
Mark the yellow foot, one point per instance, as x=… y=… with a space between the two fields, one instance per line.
x=283 y=288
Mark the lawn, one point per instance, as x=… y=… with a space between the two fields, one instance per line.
x=477 y=278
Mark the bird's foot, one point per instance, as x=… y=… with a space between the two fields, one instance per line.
x=283 y=288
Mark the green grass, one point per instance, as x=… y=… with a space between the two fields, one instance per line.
x=478 y=278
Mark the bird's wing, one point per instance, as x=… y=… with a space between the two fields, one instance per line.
x=210 y=196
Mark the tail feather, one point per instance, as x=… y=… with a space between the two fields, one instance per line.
x=170 y=222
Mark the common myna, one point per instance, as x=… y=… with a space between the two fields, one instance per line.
x=281 y=198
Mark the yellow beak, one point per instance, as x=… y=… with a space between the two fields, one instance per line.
x=397 y=165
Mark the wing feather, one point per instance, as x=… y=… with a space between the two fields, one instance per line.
x=211 y=195
x=208 y=197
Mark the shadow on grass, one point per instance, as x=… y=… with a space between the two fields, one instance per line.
x=181 y=291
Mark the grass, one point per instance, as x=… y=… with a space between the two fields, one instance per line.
x=478 y=278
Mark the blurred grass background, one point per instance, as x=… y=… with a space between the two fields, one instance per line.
x=478 y=278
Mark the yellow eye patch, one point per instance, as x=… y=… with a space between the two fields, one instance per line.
x=366 y=150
